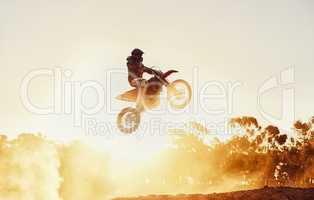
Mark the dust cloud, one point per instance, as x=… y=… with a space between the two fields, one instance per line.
x=35 y=168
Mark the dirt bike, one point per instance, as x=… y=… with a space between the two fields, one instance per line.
x=147 y=96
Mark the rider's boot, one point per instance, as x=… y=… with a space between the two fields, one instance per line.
x=140 y=96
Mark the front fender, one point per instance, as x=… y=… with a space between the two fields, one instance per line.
x=168 y=73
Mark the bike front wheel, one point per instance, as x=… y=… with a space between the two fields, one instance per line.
x=179 y=94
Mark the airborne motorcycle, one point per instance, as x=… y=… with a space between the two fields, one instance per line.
x=147 y=96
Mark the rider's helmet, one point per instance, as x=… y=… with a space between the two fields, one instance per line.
x=137 y=53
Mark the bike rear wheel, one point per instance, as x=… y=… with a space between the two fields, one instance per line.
x=128 y=120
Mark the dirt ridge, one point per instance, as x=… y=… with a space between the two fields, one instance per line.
x=266 y=193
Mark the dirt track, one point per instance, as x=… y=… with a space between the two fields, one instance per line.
x=259 y=194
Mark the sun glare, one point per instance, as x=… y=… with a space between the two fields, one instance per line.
x=132 y=151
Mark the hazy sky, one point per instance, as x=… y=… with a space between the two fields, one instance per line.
x=247 y=41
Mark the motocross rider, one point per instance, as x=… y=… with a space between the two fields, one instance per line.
x=136 y=69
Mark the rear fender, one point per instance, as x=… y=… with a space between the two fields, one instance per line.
x=129 y=96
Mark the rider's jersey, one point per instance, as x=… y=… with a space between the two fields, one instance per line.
x=136 y=69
